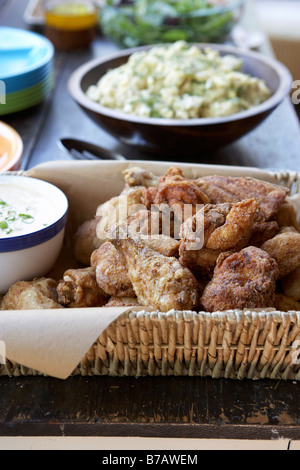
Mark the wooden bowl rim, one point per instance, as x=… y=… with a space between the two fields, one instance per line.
x=284 y=88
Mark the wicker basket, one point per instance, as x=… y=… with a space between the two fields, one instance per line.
x=232 y=345
x=239 y=345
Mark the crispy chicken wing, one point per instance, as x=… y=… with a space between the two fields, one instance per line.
x=263 y=231
x=158 y=281
x=118 y=209
x=287 y=216
x=122 y=302
x=286 y=304
x=213 y=230
x=145 y=222
x=285 y=249
x=149 y=196
x=163 y=244
x=32 y=295
x=176 y=191
x=79 y=289
x=139 y=177
x=86 y=241
x=149 y=225
x=91 y=234
x=291 y=284
x=222 y=189
x=246 y=279
x=111 y=271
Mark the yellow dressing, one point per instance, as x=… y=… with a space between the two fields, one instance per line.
x=70 y=16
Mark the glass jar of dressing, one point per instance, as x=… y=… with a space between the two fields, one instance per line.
x=70 y=24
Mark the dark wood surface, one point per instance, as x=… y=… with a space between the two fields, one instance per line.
x=275 y=144
x=186 y=407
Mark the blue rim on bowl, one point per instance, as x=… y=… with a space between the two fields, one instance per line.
x=37 y=237
x=27 y=241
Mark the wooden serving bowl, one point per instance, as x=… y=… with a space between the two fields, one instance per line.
x=172 y=136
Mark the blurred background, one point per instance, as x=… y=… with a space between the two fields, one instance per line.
x=279 y=23
x=280 y=20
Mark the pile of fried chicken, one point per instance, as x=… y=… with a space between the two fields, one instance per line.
x=236 y=247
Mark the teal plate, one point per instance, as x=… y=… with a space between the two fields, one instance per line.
x=22 y=54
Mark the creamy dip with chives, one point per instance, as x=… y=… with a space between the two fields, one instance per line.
x=23 y=211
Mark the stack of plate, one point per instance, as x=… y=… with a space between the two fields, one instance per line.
x=26 y=69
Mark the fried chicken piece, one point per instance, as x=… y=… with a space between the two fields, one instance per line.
x=118 y=209
x=285 y=249
x=139 y=177
x=263 y=231
x=287 y=216
x=238 y=225
x=159 y=281
x=246 y=279
x=149 y=225
x=214 y=230
x=222 y=189
x=111 y=271
x=86 y=241
x=79 y=289
x=32 y=295
x=91 y=234
x=162 y=244
x=157 y=221
x=122 y=302
x=177 y=191
x=291 y=284
x=286 y=304
x=149 y=196
x=145 y=222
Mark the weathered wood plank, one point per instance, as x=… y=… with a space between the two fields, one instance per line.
x=159 y=406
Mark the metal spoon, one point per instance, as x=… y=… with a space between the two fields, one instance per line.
x=82 y=150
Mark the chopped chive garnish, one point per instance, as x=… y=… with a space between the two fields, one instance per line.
x=3 y=225
x=26 y=218
x=11 y=216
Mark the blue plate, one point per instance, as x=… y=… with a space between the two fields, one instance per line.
x=29 y=92
x=25 y=58
x=28 y=80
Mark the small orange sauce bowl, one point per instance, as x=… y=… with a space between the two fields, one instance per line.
x=11 y=148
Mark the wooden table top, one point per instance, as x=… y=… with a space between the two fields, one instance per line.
x=185 y=407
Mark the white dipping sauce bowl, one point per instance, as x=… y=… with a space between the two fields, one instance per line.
x=32 y=255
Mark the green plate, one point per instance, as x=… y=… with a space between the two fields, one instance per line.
x=27 y=98
x=29 y=92
x=34 y=95
x=26 y=103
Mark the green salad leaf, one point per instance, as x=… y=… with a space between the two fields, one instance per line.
x=136 y=22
